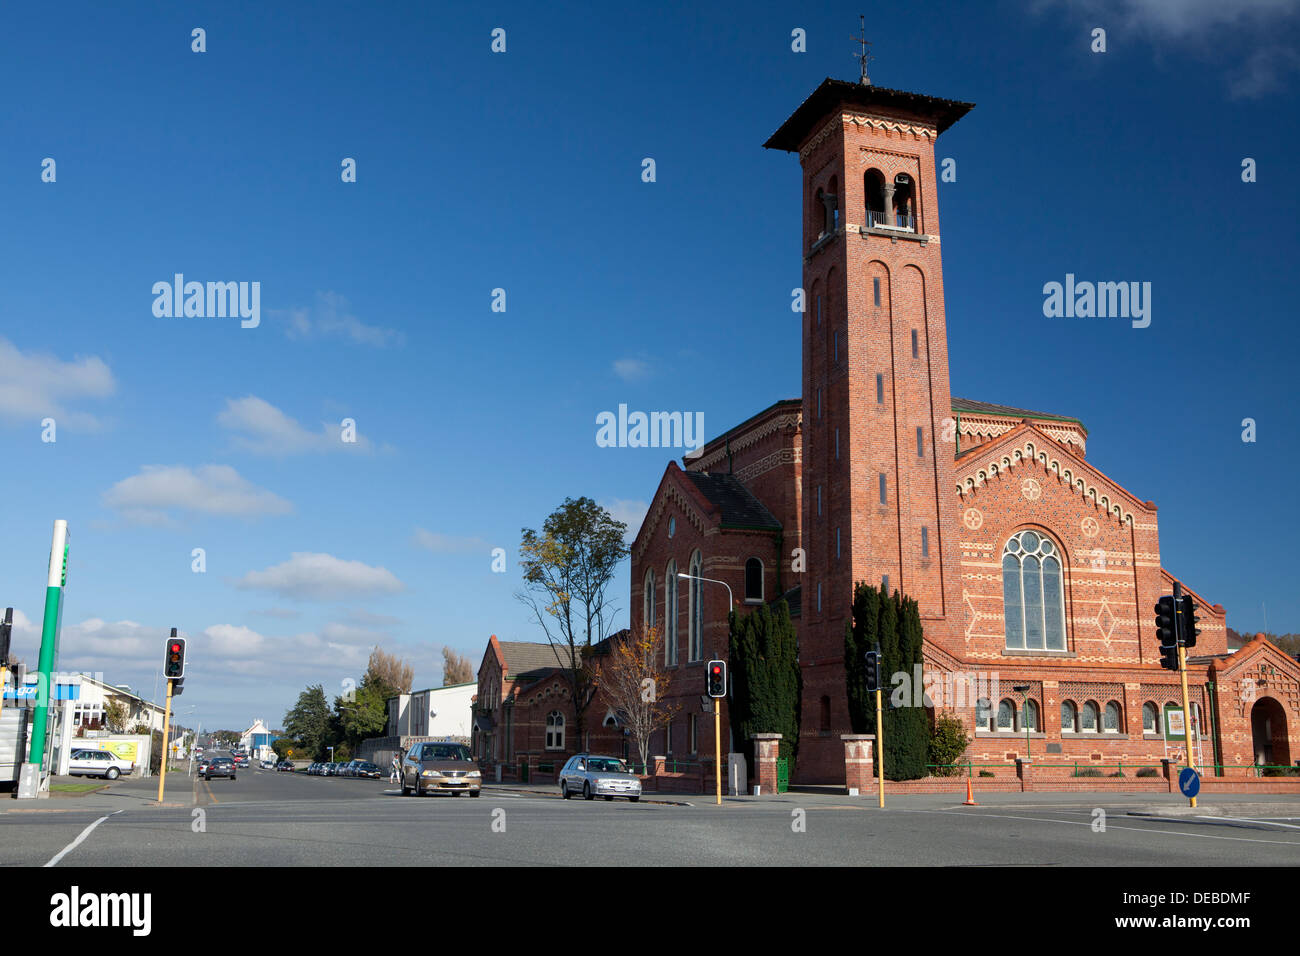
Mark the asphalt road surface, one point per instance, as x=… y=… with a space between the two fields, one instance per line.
x=280 y=819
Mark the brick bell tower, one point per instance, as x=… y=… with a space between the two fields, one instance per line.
x=879 y=500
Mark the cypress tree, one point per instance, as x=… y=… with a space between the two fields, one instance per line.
x=766 y=682
x=894 y=622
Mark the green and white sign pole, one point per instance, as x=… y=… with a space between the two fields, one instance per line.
x=55 y=583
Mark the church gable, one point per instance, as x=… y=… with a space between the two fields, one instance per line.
x=1028 y=504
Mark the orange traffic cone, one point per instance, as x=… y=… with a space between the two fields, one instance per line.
x=970 y=797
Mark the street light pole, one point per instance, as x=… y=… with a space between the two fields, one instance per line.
x=717 y=704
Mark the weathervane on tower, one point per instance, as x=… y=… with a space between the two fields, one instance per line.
x=864 y=57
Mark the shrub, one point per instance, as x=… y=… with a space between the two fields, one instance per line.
x=948 y=742
x=1088 y=772
x=986 y=773
x=1281 y=771
x=1148 y=772
x=1117 y=773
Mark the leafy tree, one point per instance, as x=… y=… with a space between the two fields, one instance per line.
x=309 y=720
x=766 y=680
x=567 y=570
x=282 y=746
x=455 y=668
x=115 y=715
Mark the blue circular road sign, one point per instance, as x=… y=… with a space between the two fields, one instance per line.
x=1189 y=781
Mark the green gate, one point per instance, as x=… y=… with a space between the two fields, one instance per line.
x=523 y=771
x=782 y=774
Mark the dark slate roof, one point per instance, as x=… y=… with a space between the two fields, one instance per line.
x=986 y=408
x=828 y=96
x=525 y=659
x=793 y=599
x=739 y=508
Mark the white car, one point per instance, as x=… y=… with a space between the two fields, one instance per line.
x=98 y=763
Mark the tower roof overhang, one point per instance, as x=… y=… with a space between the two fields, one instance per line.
x=837 y=94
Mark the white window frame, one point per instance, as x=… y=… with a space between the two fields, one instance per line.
x=555 y=730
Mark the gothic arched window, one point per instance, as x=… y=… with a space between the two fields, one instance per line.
x=1033 y=597
x=754 y=580
x=555 y=730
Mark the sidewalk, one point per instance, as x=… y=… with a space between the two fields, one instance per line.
x=118 y=794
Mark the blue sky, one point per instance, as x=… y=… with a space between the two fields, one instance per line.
x=522 y=171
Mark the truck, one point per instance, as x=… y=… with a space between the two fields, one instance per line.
x=15 y=737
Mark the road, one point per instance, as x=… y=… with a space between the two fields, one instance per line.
x=264 y=818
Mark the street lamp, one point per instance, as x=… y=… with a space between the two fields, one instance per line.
x=1023 y=691
x=717 y=704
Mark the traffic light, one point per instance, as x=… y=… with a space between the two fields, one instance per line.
x=1167 y=631
x=178 y=686
x=872 y=658
x=1189 y=622
x=717 y=679
x=174 y=663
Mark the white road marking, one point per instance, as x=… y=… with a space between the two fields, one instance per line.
x=80 y=839
x=1112 y=826
x=1264 y=820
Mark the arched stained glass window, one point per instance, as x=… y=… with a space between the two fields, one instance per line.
x=1033 y=596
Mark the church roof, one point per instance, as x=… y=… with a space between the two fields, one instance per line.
x=736 y=505
x=524 y=658
x=987 y=408
x=834 y=93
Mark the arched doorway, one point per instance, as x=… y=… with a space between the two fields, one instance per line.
x=1268 y=733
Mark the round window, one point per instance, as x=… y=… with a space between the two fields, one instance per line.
x=1029 y=541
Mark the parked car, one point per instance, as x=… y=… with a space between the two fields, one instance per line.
x=440 y=767
x=351 y=767
x=365 y=768
x=595 y=776
x=84 y=762
x=220 y=767
x=267 y=765
x=243 y=763
x=284 y=766
x=203 y=765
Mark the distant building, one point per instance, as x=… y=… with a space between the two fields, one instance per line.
x=433 y=712
x=256 y=741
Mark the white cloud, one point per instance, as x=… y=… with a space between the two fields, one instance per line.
x=332 y=317
x=267 y=430
x=632 y=370
x=321 y=577
x=34 y=386
x=152 y=496
x=629 y=511
x=1253 y=39
x=448 y=544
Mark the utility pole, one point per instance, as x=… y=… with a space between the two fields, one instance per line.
x=31 y=775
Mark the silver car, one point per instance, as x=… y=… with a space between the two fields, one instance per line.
x=596 y=776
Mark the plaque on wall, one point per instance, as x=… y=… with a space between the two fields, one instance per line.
x=1053 y=748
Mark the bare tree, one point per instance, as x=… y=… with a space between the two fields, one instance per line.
x=455 y=668
x=389 y=670
x=636 y=685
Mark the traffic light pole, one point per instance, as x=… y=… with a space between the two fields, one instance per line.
x=717 y=746
x=167 y=720
x=1182 y=675
x=880 y=750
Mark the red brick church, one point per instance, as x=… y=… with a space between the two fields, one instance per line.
x=1028 y=562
